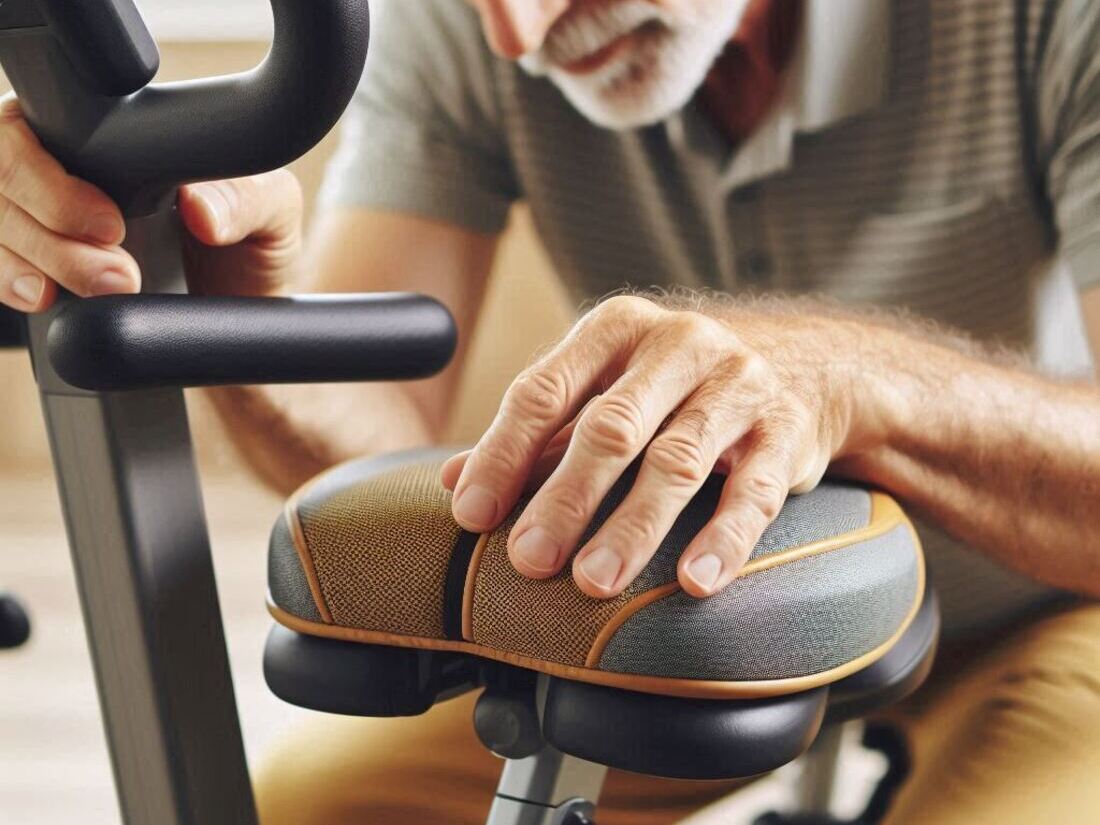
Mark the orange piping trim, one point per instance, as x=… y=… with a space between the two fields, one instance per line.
x=885 y=516
x=468 y=589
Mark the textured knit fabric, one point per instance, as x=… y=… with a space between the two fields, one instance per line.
x=551 y=619
x=381 y=549
x=380 y=536
x=958 y=177
x=797 y=619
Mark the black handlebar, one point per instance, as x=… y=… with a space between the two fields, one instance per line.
x=80 y=71
x=107 y=43
x=150 y=341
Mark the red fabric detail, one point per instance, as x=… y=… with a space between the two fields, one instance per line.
x=747 y=77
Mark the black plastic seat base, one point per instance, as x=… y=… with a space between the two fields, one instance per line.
x=332 y=676
x=680 y=738
x=645 y=733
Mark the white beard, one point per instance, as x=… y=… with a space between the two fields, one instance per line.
x=649 y=80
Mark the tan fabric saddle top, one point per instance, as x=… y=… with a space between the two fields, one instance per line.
x=369 y=552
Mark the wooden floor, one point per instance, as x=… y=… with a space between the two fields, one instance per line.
x=53 y=762
x=53 y=759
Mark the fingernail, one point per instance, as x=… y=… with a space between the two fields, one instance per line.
x=112 y=283
x=106 y=228
x=476 y=507
x=538 y=549
x=29 y=288
x=602 y=567
x=705 y=570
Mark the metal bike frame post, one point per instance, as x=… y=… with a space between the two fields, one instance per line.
x=549 y=788
x=134 y=515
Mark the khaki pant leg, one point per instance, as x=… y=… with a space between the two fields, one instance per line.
x=431 y=769
x=1015 y=738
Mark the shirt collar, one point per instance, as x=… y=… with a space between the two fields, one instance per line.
x=840 y=69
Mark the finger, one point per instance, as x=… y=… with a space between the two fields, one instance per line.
x=751 y=499
x=22 y=286
x=83 y=268
x=35 y=180
x=223 y=213
x=608 y=437
x=551 y=457
x=541 y=471
x=538 y=404
x=544 y=465
x=452 y=469
x=676 y=465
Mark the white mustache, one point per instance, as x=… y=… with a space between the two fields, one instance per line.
x=575 y=38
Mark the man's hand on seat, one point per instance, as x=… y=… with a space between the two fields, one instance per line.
x=760 y=397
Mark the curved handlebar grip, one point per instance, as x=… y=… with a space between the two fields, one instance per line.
x=140 y=146
x=107 y=43
x=148 y=341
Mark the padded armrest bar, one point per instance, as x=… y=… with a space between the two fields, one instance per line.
x=148 y=341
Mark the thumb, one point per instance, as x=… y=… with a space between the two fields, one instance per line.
x=226 y=212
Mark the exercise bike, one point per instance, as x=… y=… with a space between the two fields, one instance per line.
x=832 y=619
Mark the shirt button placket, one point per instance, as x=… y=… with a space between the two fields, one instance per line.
x=753 y=263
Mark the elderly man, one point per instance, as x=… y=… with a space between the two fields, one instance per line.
x=933 y=157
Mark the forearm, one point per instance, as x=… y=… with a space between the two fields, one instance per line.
x=1003 y=459
x=288 y=434
x=1000 y=457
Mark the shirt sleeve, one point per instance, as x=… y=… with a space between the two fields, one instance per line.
x=1069 y=134
x=423 y=133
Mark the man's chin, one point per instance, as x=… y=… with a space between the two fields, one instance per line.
x=623 y=109
x=622 y=118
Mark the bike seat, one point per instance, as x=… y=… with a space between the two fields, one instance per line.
x=385 y=605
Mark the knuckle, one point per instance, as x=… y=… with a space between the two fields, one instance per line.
x=621 y=310
x=696 y=422
x=569 y=504
x=734 y=537
x=72 y=263
x=239 y=193
x=689 y=334
x=623 y=306
x=499 y=456
x=766 y=493
x=638 y=531
x=538 y=394
x=614 y=426
x=13 y=152
x=680 y=458
x=757 y=372
x=7 y=211
x=692 y=326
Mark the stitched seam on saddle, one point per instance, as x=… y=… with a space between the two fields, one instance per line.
x=471 y=586
x=454 y=586
x=298 y=536
x=885 y=516
x=666 y=686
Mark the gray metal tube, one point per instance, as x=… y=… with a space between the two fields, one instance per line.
x=134 y=515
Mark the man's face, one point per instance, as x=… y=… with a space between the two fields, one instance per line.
x=622 y=63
